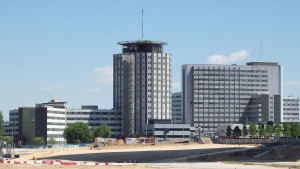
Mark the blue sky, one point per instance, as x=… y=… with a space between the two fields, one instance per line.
x=64 y=49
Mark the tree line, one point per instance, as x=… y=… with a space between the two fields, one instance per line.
x=79 y=132
x=286 y=129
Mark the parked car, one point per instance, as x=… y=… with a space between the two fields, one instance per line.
x=82 y=145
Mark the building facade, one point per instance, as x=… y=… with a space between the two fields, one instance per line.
x=215 y=95
x=164 y=129
x=142 y=84
x=48 y=120
x=12 y=127
x=94 y=117
x=177 y=108
x=7 y=129
x=291 y=109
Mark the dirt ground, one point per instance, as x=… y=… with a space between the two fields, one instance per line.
x=140 y=153
x=211 y=165
x=165 y=156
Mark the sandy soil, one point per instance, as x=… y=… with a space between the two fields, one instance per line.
x=214 y=165
x=117 y=153
x=141 y=153
x=155 y=157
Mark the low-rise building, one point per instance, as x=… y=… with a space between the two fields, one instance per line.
x=48 y=120
x=291 y=109
x=94 y=117
x=12 y=127
x=177 y=108
x=163 y=129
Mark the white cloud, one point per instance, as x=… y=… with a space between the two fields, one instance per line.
x=94 y=90
x=103 y=74
x=54 y=87
x=232 y=58
x=292 y=83
x=176 y=87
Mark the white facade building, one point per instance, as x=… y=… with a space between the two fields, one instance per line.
x=48 y=120
x=291 y=109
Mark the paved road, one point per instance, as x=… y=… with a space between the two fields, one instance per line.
x=139 y=156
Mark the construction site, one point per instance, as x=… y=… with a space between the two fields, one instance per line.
x=147 y=153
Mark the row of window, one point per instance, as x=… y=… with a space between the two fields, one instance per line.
x=293 y=114
x=291 y=109
x=290 y=104
x=228 y=78
x=56 y=112
x=55 y=118
x=56 y=123
x=220 y=86
x=227 y=70
x=228 y=91
x=202 y=81
x=95 y=113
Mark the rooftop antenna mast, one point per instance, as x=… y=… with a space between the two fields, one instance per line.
x=142 y=24
x=260 y=49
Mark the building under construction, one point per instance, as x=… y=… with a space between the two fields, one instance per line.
x=142 y=84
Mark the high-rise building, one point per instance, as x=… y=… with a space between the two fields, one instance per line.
x=142 y=84
x=215 y=95
x=291 y=109
x=177 y=108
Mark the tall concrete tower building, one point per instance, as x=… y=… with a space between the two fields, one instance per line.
x=142 y=84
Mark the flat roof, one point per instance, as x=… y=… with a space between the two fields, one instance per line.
x=129 y=43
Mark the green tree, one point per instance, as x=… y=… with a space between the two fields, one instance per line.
x=77 y=132
x=51 y=141
x=287 y=129
x=1 y=125
x=39 y=141
x=228 y=131
x=269 y=131
x=253 y=130
x=278 y=129
x=237 y=131
x=7 y=139
x=295 y=130
x=271 y=123
x=102 y=131
x=245 y=131
x=261 y=130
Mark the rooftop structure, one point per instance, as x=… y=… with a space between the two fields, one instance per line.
x=142 y=46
